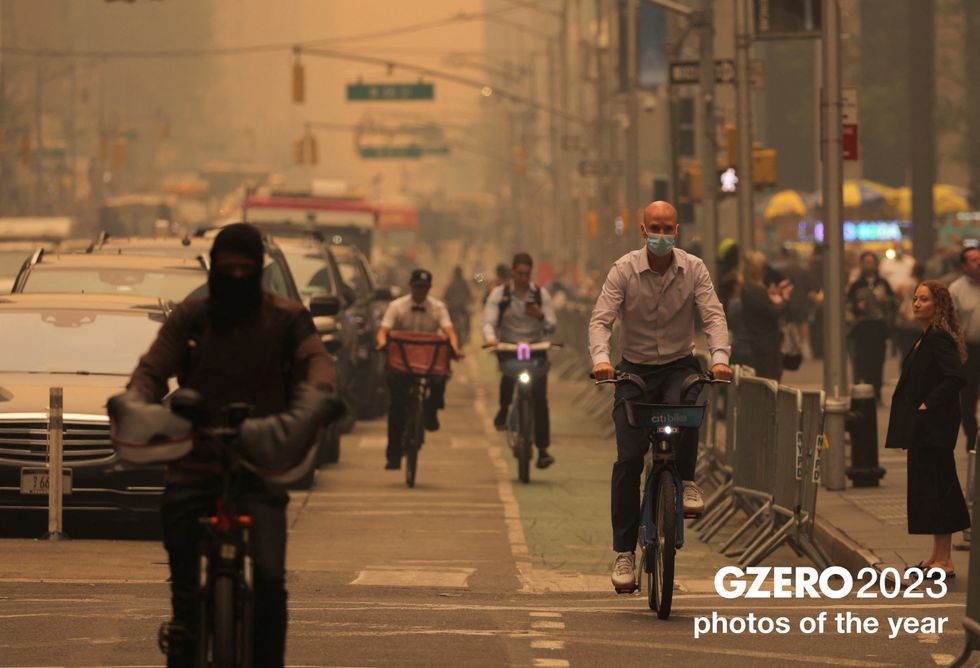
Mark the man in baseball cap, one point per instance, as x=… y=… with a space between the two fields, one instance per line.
x=414 y=312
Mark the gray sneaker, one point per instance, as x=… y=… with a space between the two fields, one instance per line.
x=693 y=500
x=623 y=574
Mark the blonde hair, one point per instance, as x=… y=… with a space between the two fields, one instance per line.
x=754 y=268
x=944 y=316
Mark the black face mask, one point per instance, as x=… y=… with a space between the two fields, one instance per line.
x=233 y=299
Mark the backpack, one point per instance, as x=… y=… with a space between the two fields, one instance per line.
x=506 y=299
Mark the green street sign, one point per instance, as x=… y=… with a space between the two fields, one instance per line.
x=390 y=92
x=410 y=151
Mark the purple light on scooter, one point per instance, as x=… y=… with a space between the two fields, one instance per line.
x=523 y=352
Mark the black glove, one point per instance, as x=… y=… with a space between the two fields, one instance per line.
x=279 y=442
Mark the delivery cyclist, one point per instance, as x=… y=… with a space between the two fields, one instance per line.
x=653 y=292
x=414 y=312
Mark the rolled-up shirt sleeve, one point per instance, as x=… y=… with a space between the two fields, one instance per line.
x=604 y=314
x=712 y=315
x=491 y=313
x=548 y=310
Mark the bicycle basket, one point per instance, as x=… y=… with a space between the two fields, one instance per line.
x=419 y=353
x=660 y=415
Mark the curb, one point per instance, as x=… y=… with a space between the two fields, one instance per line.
x=841 y=549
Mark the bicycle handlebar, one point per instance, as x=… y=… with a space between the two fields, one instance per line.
x=506 y=347
x=694 y=380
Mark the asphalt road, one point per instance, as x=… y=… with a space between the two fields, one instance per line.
x=468 y=568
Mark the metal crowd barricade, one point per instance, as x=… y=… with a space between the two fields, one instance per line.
x=971 y=623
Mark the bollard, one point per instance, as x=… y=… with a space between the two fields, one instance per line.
x=56 y=428
x=971 y=459
x=834 y=464
x=862 y=425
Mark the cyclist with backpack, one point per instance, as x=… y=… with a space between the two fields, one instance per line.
x=240 y=344
x=518 y=311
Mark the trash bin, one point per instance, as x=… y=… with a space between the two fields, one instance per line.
x=862 y=425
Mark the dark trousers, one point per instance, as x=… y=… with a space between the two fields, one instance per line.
x=869 y=337
x=182 y=533
x=969 y=394
x=399 y=385
x=539 y=396
x=664 y=387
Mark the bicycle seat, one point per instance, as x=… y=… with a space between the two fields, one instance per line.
x=649 y=416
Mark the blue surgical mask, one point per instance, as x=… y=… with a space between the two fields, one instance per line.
x=660 y=244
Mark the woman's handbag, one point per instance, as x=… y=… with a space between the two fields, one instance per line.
x=792 y=346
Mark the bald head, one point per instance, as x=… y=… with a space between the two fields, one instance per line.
x=659 y=218
x=659 y=209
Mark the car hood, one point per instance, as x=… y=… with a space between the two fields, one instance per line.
x=83 y=395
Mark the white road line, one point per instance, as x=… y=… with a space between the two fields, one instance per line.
x=512 y=513
x=548 y=644
x=943 y=659
x=538 y=626
x=550 y=663
x=546 y=614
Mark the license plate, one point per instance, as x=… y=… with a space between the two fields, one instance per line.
x=37 y=481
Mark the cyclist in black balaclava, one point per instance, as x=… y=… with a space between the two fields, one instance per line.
x=235 y=277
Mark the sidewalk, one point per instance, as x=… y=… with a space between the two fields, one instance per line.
x=867 y=526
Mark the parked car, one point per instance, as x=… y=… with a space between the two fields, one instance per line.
x=366 y=312
x=87 y=344
x=170 y=269
x=317 y=275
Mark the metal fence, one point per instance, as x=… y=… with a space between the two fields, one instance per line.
x=768 y=469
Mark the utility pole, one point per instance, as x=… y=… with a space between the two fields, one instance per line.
x=564 y=237
x=704 y=21
x=835 y=361
x=922 y=94
x=633 y=120
x=743 y=103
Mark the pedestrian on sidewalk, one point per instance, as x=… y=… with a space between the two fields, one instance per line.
x=872 y=304
x=762 y=310
x=925 y=418
x=654 y=292
x=965 y=292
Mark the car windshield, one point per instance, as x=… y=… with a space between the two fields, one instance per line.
x=11 y=261
x=350 y=271
x=75 y=341
x=172 y=284
x=311 y=273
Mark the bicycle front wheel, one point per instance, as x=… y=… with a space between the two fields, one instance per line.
x=223 y=630
x=661 y=579
x=410 y=443
x=525 y=438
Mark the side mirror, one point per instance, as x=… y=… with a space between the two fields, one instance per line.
x=324 y=305
x=332 y=344
x=381 y=295
x=348 y=293
x=188 y=404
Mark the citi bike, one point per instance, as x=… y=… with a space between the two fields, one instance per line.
x=662 y=516
x=523 y=362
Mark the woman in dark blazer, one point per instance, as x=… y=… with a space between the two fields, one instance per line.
x=762 y=308
x=925 y=419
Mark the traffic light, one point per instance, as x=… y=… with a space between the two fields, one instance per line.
x=764 y=167
x=731 y=145
x=299 y=83
x=119 y=150
x=25 y=150
x=693 y=177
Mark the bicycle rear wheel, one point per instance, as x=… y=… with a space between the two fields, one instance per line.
x=411 y=440
x=223 y=630
x=525 y=436
x=661 y=580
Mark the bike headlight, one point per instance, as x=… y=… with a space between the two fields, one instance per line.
x=525 y=377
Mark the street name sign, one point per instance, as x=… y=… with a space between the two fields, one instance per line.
x=689 y=72
x=390 y=92
x=410 y=151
